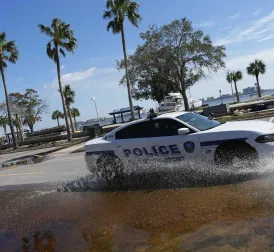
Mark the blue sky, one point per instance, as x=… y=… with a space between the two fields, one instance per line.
x=247 y=32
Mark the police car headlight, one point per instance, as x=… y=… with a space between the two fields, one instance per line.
x=265 y=138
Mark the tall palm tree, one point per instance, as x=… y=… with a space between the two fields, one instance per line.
x=3 y=123
x=255 y=68
x=61 y=38
x=118 y=11
x=56 y=115
x=234 y=77
x=75 y=113
x=8 y=53
x=69 y=95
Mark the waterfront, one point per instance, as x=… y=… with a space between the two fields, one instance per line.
x=228 y=100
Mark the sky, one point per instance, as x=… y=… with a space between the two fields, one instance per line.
x=247 y=32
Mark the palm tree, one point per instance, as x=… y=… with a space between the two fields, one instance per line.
x=69 y=95
x=56 y=115
x=234 y=77
x=17 y=125
x=117 y=11
x=255 y=68
x=3 y=123
x=75 y=113
x=8 y=53
x=61 y=38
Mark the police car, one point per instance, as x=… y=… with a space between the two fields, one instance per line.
x=178 y=138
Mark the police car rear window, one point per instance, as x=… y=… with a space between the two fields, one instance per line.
x=138 y=130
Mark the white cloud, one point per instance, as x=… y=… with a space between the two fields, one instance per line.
x=45 y=86
x=61 y=67
x=259 y=30
x=20 y=78
x=241 y=62
x=257 y=12
x=207 y=24
x=234 y=16
x=266 y=38
x=217 y=80
x=75 y=77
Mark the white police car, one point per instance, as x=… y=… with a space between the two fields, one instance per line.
x=178 y=138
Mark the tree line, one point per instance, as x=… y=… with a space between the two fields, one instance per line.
x=255 y=69
x=172 y=58
x=26 y=109
x=63 y=40
x=69 y=96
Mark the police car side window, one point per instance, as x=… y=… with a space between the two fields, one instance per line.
x=138 y=130
x=166 y=127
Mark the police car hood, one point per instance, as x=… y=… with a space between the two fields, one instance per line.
x=260 y=127
x=99 y=144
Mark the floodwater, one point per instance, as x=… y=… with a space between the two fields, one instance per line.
x=155 y=213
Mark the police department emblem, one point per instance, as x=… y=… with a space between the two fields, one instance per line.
x=189 y=147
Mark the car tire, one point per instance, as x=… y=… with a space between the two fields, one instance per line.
x=111 y=169
x=236 y=156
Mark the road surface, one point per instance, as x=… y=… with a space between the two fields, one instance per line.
x=60 y=168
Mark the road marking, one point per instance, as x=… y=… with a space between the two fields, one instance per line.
x=271 y=120
x=19 y=174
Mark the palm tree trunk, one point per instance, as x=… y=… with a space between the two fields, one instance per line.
x=21 y=130
x=58 y=121
x=232 y=92
x=14 y=140
x=70 y=119
x=62 y=94
x=258 y=86
x=31 y=128
x=75 y=122
x=5 y=130
x=127 y=75
x=236 y=90
x=183 y=93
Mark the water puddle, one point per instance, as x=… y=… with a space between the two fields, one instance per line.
x=149 y=212
x=28 y=160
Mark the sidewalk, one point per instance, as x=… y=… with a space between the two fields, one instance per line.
x=67 y=150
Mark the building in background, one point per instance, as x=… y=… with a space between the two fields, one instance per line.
x=249 y=90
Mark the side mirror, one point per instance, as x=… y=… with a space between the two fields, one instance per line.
x=183 y=131
x=211 y=116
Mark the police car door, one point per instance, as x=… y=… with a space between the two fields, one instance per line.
x=131 y=143
x=171 y=147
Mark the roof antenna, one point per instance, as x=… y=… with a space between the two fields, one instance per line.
x=151 y=114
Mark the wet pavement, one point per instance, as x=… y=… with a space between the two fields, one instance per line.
x=156 y=212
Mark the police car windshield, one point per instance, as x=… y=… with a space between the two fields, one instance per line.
x=198 y=121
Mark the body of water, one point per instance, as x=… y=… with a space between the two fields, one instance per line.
x=242 y=98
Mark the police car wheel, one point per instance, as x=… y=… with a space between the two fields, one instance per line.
x=236 y=156
x=111 y=169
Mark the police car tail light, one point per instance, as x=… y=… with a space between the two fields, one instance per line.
x=265 y=138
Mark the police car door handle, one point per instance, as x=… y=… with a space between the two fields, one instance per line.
x=118 y=146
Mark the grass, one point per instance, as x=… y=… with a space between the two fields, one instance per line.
x=247 y=116
x=59 y=144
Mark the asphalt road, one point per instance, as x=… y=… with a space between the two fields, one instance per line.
x=61 y=168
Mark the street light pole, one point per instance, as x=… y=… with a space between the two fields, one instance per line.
x=93 y=98
x=220 y=91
